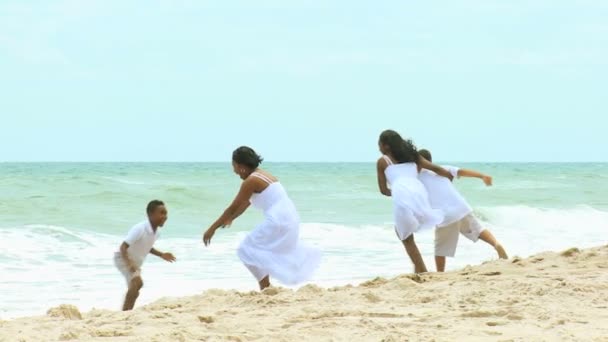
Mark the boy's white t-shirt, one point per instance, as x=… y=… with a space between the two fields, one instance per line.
x=141 y=239
x=443 y=195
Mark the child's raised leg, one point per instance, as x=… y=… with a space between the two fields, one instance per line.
x=487 y=237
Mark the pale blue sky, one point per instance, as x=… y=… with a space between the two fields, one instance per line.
x=475 y=80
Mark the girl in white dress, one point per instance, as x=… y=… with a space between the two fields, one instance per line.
x=273 y=248
x=398 y=177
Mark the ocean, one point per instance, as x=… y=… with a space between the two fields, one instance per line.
x=60 y=224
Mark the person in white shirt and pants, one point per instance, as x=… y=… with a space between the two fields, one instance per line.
x=459 y=217
x=136 y=246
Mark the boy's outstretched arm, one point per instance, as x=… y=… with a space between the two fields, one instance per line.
x=165 y=256
x=474 y=174
x=125 y=257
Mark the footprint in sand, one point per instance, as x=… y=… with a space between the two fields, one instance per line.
x=65 y=311
x=111 y=332
x=570 y=252
x=206 y=319
x=495 y=324
x=372 y=298
x=515 y=317
x=482 y=314
x=493 y=333
x=68 y=336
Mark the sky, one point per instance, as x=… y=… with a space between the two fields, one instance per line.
x=190 y=80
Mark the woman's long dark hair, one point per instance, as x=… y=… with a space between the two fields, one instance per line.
x=245 y=155
x=402 y=150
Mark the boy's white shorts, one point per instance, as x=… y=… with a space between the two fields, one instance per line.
x=446 y=238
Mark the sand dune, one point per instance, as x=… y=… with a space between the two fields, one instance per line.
x=547 y=297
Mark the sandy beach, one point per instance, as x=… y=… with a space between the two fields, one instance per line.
x=552 y=296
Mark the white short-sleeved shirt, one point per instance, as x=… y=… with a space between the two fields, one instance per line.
x=444 y=196
x=141 y=239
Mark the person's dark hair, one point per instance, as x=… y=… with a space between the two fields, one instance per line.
x=426 y=154
x=402 y=150
x=245 y=155
x=153 y=205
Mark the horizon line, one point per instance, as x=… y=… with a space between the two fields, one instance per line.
x=276 y=162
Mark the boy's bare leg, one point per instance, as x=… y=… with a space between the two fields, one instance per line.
x=487 y=237
x=440 y=263
x=414 y=254
x=134 y=286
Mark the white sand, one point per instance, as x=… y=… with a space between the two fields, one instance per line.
x=548 y=297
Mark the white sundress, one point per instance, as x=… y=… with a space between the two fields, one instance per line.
x=411 y=207
x=274 y=248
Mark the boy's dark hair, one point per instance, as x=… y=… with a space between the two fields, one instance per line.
x=426 y=154
x=153 y=205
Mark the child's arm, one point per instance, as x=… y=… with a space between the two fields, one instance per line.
x=380 y=167
x=165 y=256
x=125 y=256
x=474 y=174
x=425 y=164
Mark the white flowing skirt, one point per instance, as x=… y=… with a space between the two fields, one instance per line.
x=274 y=248
x=411 y=208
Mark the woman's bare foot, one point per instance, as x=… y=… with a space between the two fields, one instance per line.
x=265 y=283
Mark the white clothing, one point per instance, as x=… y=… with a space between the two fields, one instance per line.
x=120 y=264
x=141 y=239
x=444 y=196
x=411 y=207
x=446 y=238
x=273 y=248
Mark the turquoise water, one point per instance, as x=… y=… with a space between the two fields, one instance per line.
x=61 y=222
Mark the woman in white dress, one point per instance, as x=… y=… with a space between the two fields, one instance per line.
x=273 y=248
x=398 y=178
